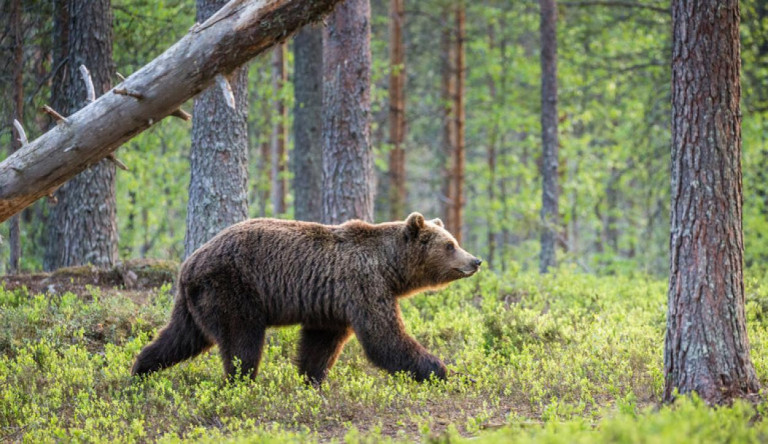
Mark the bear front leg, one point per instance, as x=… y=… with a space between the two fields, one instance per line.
x=318 y=351
x=382 y=334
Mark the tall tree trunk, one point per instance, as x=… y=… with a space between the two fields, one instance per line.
x=218 y=184
x=81 y=227
x=493 y=135
x=448 y=93
x=279 y=130
x=397 y=110
x=549 y=143
x=14 y=229
x=347 y=154
x=307 y=159
x=460 y=154
x=706 y=349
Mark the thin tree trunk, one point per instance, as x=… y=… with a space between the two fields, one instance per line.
x=347 y=155
x=14 y=229
x=460 y=154
x=493 y=135
x=549 y=160
x=279 y=129
x=397 y=110
x=218 y=186
x=448 y=92
x=612 y=207
x=706 y=349
x=307 y=157
x=265 y=176
x=81 y=227
x=238 y=32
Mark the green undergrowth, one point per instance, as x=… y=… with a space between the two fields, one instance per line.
x=561 y=358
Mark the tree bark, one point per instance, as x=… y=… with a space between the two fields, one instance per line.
x=347 y=153
x=706 y=349
x=460 y=153
x=448 y=93
x=218 y=186
x=397 y=110
x=238 y=32
x=14 y=228
x=81 y=226
x=549 y=142
x=279 y=130
x=307 y=157
x=493 y=135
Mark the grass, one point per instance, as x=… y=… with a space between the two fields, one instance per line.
x=562 y=358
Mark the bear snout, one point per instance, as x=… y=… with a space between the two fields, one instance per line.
x=471 y=267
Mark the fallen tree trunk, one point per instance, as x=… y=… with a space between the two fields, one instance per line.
x=239 y=31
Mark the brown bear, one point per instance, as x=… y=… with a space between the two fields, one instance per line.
x=332 y=279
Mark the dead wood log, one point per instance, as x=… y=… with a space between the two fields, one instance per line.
x=236 y=33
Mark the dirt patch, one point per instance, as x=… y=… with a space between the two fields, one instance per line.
x=134 y=275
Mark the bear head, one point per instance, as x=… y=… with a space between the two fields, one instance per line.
x=435 y=258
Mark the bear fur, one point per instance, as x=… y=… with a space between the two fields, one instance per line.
x=332 y=279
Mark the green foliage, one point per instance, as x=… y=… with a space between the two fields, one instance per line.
x=547 y=356
x=689 y=420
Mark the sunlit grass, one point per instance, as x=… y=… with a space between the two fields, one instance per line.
x=543 y=357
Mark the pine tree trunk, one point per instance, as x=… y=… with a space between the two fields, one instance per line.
x=347 y=154
x=706 y=349
x=81 y=227
x=549 y=143
x=307 y=157
x=397 y=110
x=460 y=153
x=279 y=130
x=493 y=135
x=218 y=159
x=448 y=93
x=14 y=229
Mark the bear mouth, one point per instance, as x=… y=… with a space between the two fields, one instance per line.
x=467 y=271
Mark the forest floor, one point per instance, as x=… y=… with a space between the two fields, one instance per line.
x=562 y=358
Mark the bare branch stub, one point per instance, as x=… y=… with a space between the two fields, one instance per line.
x=181 y=114
x=127 y=92
x=120 y=76
x=90 y=91
x=111 y=157
x=226 y=89
x=20 y=131
x=56 y=116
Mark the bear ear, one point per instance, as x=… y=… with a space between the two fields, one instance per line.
x=438 y=222
x=414 y=223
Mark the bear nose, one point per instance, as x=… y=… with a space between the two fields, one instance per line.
x=477 y=262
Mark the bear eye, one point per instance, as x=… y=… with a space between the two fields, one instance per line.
x=449 y=246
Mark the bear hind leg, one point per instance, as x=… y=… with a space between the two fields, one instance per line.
x=318 y=351
x=245 y=347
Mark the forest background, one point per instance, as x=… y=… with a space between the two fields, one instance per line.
x=613 y=112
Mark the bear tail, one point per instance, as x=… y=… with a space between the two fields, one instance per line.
x=181 y=339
